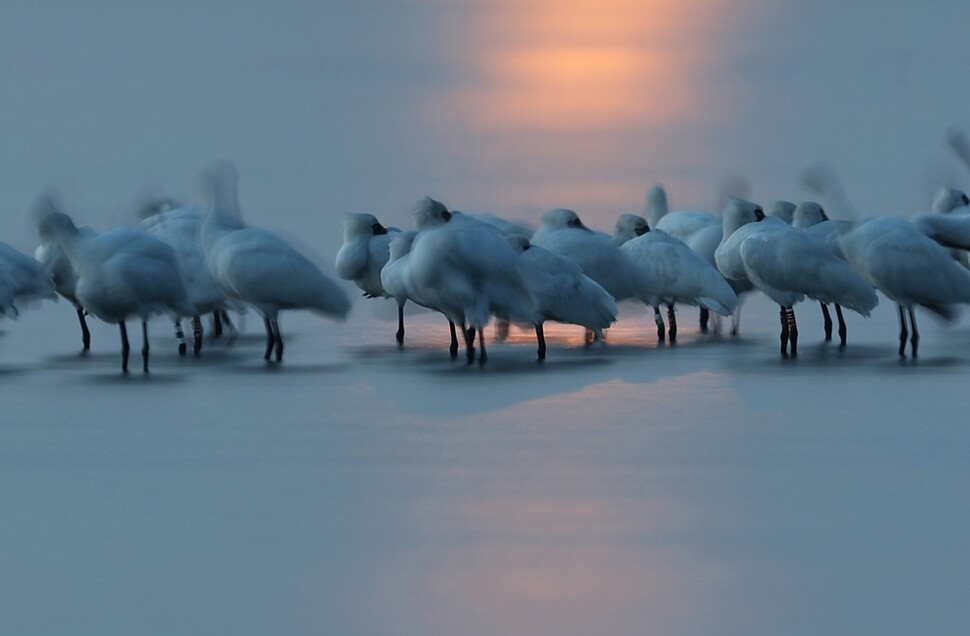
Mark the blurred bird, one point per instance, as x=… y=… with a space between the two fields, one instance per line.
x=51 y=255
x=561 y=291
x=910 y=269
x=259 y=268
x=466 y=269
x=787 y=265
x=683 y=276
x=121 y=273
x=363 y=255
x=179 y=226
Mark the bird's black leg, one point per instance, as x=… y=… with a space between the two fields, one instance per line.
x=180 y=336
x=843 y=332
x=482 y=356
x=278 y=336
x=144 y=345
x=792 y=331
x=827 y=321
x=400 y=325
x=915 y=337
x=196 y=335
x=469 y=343
x=216 y=325
x=672 y=322
x=657 y=318
x=85 y=334
x=903 y=332
x=124 y=346
x=270 y=339
x=453 y=347
x=784 y=333
x=541 y=342
x=705 y=317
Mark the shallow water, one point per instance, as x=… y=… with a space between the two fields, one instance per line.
x=707 y=488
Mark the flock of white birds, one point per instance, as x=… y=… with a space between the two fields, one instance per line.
x=472 y=269
x=188 y=261
x=181 y=261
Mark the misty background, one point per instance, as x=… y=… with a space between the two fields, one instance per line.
x=506 y=106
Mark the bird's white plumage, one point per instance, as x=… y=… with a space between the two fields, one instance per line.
x=949 y=230
x=51 y=255
x=563 y=233
x=505 y=226
x=629 y=226
x=681 y=224
x=465 y=269
x=810 y=217
x=364 y=252
x=561 y=291
x=179 y=227
x=787 y=264
x=950 y=201
x=122 y=272
x=909 y=268
x=683 y=276
x=396 y=273
x=259 y=268
x=738 y=218
x=28 y=278
x=783 y=210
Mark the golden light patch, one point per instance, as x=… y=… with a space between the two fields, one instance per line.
x=584 y=66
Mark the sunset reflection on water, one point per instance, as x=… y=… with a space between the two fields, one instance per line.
x=560 y=514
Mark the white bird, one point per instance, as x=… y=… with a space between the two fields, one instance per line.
x=51 y=255
x=681 y=224
x=29 y=278
x=683 y=276
x=506 y=227
x=949 y=224
x=562 y=232
x=121 y=273
x=179 y=227
x=429 y=213
x=362 y=257
x=561 y=291
x=909 y=268
x=787 y=265
x=950 y=201
x=701 y=232
x=951 y=231
x=783 y=210
x=396 y=279
x=260 y=269
x=629 y=226
x=466 y=269
x=811 y=218
x=22 y=278
x=395 y=275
